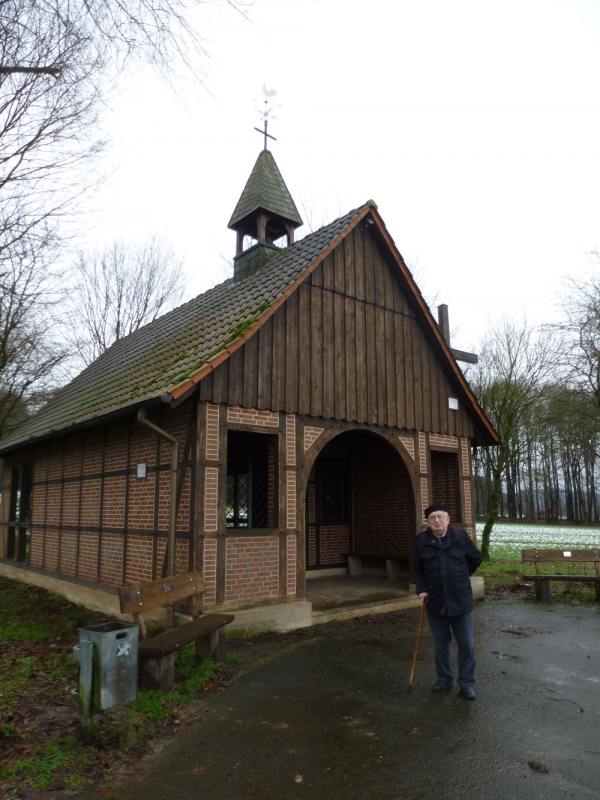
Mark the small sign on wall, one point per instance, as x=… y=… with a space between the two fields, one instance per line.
x=141 y=470
x=453 y=403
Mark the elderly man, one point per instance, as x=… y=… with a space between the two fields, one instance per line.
x=445 y=558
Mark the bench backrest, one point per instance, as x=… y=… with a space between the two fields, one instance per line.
x=535 y=555
x=141 y=597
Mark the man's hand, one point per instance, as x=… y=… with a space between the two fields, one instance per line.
x=423 y=597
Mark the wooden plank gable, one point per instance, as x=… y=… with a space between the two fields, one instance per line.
x=347 y=345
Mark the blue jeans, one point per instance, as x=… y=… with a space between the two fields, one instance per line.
x=442 y=628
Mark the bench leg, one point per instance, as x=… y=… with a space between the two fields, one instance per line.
x=597 y=588
x=212 y=646
x=394 y=570
x=354 y=565
x=542 y=591
x=158 y=673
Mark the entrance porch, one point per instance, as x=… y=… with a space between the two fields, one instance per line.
x=360 y=516
x=340 y=597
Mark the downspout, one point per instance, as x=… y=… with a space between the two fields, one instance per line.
x=172 y=504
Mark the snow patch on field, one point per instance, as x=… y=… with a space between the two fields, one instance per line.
x=508 y=539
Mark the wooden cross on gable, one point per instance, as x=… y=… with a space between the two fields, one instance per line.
x=444 y=324
x=265 y=134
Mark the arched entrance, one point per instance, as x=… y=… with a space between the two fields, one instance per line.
x=360 y=502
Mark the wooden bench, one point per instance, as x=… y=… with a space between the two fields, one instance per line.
x=542 y=582
x=157 y=653
x=396 y=566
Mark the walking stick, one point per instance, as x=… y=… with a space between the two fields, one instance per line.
x=414 y=664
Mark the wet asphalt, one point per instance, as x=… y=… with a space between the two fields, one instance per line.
x=331 y=718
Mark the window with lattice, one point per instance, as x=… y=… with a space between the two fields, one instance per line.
x=19 y=530
x=250 y=480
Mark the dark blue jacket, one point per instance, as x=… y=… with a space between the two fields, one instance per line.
x=443 y=569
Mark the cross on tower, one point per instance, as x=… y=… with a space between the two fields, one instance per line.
x=265 y=134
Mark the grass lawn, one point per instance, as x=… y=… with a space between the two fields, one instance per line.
x=39 y=725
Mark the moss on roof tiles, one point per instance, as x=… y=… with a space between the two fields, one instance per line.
x=159 y=356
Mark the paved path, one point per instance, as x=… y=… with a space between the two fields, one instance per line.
x=332 y=719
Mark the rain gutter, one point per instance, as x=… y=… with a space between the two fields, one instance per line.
x=142 y=418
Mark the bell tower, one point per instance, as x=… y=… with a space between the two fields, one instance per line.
x=264 y=219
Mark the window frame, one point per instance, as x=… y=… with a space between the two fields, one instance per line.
x=19 y=514
x=254 y=450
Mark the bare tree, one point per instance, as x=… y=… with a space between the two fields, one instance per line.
x=514 y=364
x=29 y=353
x=120 y=289
x=580 y=333
x=48 y=122
x=59 y=62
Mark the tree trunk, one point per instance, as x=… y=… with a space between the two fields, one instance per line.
x=492 y=516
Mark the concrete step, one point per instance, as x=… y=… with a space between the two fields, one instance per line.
x=362 y=609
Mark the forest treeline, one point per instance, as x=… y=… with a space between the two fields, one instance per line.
x=540 y=388
x=552 y=472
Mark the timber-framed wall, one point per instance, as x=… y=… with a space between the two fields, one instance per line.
x=94 y=519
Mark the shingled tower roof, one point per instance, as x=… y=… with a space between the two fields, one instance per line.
x=265 y=189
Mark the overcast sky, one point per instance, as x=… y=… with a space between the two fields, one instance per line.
x=475 y=126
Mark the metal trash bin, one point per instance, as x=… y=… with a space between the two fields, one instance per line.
x=107 y=655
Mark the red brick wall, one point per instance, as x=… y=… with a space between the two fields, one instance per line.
x=444 y=476
x=381 y=501
x=111 y=562
x=38 y=505
x=141 y=503
x=291 y=565
x=335 y=540
x=53 y=504
x=113 y=507
x=252 y=416
x=72 y=456
x=36 y=548
x=252 y=567
x=70 y=503
x=161 y=546
x=90 y=502
x=210 y=570
x=68 y=552
x=143 y=446
x=55 y=452
x=92 y=454
x=115 y=456
x=88 y=555
x=139 y=559
x=51 y=550
x=77 y=476
x=312 y=551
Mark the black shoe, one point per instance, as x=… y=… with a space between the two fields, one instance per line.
x=468 y=692
x=441 y=686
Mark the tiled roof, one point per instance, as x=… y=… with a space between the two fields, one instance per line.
x=163 y=354
x=266 y=189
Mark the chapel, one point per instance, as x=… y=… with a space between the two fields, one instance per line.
x=303 y=414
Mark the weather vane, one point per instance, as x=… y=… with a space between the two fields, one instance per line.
x=266 y=112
